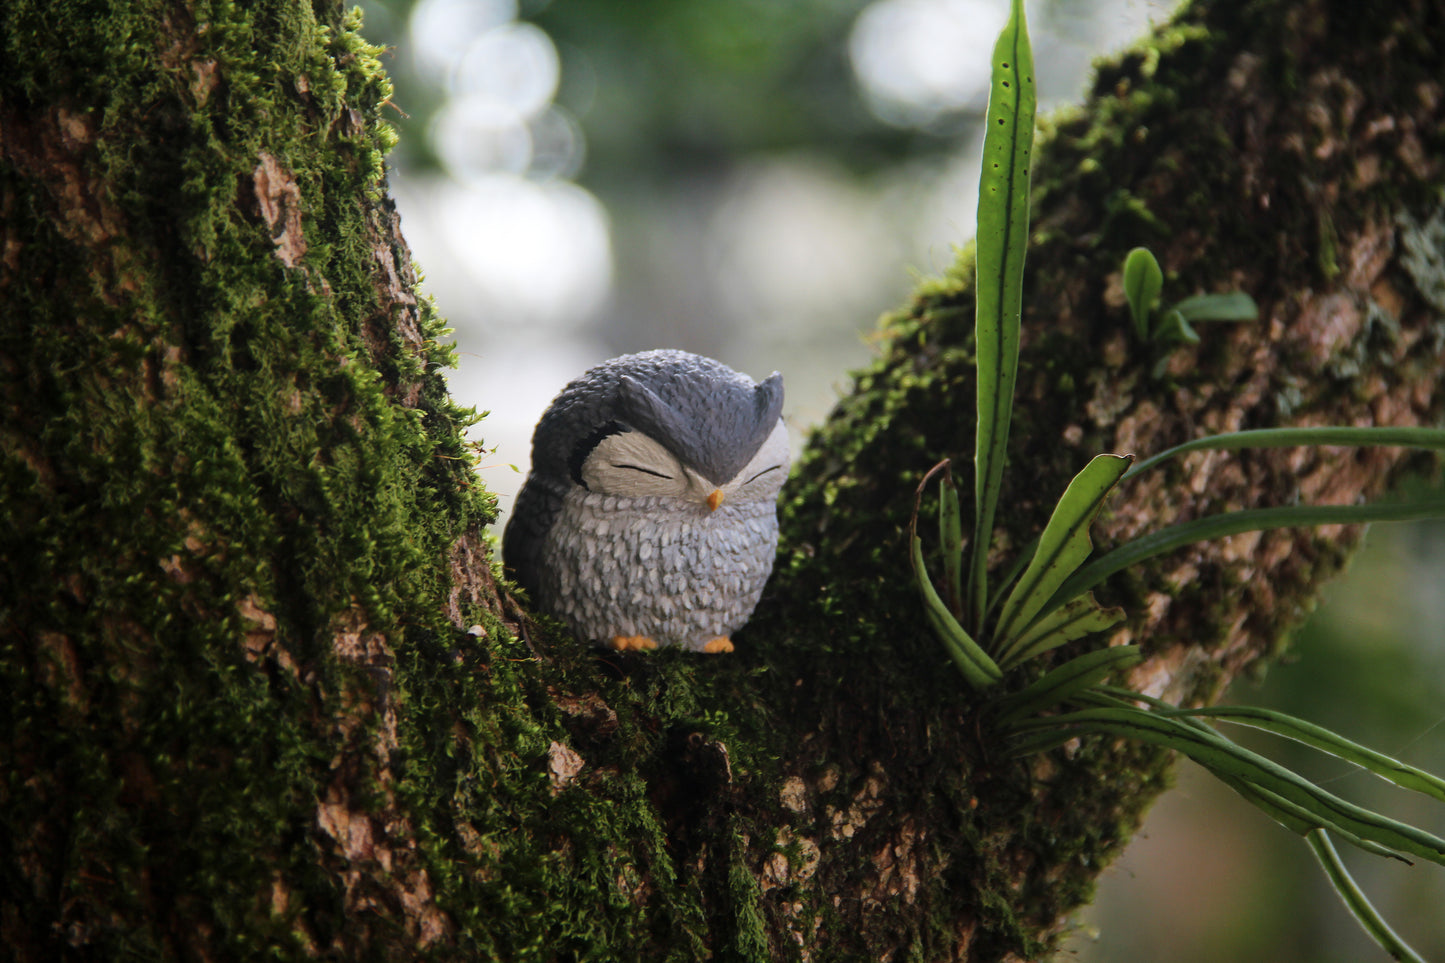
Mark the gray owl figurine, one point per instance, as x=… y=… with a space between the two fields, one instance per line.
x=650 y=514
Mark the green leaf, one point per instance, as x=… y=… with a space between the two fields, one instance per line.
x=1230 y=761
x=1065 y=681
x=1003 y=228
x=1294 y=437
x=1072 y=620
x=1016 y=568
x=1173 y=329
x=1356 y=901
x=1063 y=546
x=950 y=532
x=978 y=669
x=1233 y=523
x=1295 y=818
x=962 y=650
x=1233 y=306
x=1318 y=737
x=1301 y=821
x=1143 y=281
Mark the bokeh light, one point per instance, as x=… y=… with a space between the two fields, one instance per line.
x=440 y=31
x=918 y=59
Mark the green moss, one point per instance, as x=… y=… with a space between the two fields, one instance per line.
x=206 y=467
x=1327 y=257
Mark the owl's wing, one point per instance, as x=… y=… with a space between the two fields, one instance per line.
x=533 y=514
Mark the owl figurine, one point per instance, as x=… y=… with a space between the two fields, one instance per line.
x=649 y=517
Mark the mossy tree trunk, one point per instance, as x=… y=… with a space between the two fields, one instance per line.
x=263 y=695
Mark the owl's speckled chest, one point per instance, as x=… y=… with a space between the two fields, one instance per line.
x=654 y=566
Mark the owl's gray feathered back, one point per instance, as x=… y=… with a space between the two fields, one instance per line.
x=711 y=419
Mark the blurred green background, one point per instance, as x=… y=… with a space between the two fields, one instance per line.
x=758 y=180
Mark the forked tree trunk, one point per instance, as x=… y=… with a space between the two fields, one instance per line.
x=244 y=716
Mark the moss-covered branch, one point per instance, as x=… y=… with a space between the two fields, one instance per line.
x=1298 y=165
x=242 y=547
x=232 y=484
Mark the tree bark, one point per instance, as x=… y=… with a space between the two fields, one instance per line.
x=266 y=698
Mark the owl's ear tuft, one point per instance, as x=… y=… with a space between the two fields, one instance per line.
x=640 y=407
x=768 y=401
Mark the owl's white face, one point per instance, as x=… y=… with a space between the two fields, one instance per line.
x=630 y=464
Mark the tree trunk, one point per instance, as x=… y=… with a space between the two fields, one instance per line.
x=265 y=697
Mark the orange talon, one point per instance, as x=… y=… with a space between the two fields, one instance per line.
x=631 y=643
x=720 y=644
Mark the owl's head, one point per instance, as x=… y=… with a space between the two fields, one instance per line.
x=666 y=423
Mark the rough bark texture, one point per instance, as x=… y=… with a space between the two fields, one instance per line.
x=242 y=547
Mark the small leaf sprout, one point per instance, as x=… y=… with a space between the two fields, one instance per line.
x=1174 y=325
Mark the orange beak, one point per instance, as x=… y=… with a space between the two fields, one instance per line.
x=715 y=499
